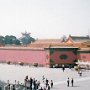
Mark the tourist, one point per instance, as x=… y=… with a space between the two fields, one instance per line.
x=51 y=83
x=48 y=88
x=26 y=78
x=63 y=68
x=46 y=82
x=72 y=81
x=9 y=86
x=68 y=82
x=13 y=87
x=80 y=73
x=43 y=78
x=31 y=82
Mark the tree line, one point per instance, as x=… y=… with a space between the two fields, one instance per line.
x=13 y=40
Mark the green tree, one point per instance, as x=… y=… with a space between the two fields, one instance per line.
x=17 y=42
x=27 y=40
x=7 y=39
x=11 y=40
x=1 y=40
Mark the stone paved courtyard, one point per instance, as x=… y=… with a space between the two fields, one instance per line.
x=18 y=73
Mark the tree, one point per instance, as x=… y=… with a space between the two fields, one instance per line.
x=1 y=40
x=11 y=40
x=26 y=40
x=7 y=39
x=17 y=42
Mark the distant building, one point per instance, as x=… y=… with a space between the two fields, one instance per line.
x=49 y=52
x=77 y=39
x=83 y=43
x=26 y=34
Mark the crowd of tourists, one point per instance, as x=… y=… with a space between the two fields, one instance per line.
x=9 y=86
x=33 y=84
x=29 y=84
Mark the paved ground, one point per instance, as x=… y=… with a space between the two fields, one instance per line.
x=18 y=73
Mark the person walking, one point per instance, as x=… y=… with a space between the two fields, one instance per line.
x=46 y=82
x=80 y=73
x=72 y=81
x=13 y=87
x=51 y=83
x=48 y=87
x=68 y=82
x=43 y=78
x=63 y=68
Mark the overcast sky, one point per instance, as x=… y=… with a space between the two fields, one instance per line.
x=45 y=18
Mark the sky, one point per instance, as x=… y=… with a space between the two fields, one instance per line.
x=45 y=18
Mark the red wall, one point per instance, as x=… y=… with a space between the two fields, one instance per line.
x=40 y=56
x=69 y=60
x=27 y=56
x=84 y=56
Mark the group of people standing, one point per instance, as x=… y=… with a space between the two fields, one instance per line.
x=70 y=81
x=9 y=86
x=47 y=83
x=33 y=84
